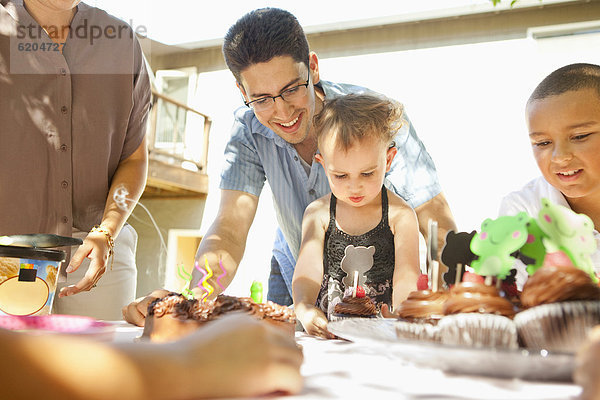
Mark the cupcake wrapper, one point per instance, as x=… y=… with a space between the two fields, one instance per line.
x=339 y=317
x=558 y=326
x=417 y=331
x=479 y=330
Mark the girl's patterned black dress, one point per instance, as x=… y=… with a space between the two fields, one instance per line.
x=378 y=284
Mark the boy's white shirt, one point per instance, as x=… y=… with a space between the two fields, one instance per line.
x=528 y=199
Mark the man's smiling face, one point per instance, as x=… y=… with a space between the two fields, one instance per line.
x=291 y=120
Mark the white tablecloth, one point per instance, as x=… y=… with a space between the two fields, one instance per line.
x=336 y=369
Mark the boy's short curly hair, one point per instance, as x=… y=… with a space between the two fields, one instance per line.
x=353 y=117
x=570 y=77
x=261 y=35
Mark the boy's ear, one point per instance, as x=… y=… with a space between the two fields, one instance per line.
x=391 y=153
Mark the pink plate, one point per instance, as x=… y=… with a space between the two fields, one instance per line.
x=58 y=323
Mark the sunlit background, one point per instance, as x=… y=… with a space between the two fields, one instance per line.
x=466 y=101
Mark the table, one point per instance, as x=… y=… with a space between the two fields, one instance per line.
x=337 y=369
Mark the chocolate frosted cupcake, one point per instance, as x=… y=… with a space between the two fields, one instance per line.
x=419 y=314
x=358 y=306
x=471 y=297
x=476 y=315
x=423 y=306
x=563 y=305
x=552 y=284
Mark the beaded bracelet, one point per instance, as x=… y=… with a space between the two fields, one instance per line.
x=110 y=241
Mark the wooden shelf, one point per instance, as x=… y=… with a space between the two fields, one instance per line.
x=166 y=180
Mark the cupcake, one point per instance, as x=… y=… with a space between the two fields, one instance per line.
x=552 y=284
x=354 y=306
x=419 y=315
x=563 y=305
x=423 y=306
x=476 y=315
x=473 y=297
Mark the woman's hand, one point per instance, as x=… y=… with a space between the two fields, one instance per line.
x=313 y=320
x=96 y=247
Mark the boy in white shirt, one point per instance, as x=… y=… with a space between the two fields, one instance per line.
x=563 y=119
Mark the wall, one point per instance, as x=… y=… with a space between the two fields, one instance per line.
x=151 y=255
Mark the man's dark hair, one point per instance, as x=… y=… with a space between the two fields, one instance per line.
x=261 y=35
x=568 y=78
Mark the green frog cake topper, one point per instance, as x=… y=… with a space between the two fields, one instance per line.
x=533 y=250
x=496 y=242
x=556 y=233
x=569 y=232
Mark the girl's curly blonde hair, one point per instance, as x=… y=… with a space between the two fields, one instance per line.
x=354 y=117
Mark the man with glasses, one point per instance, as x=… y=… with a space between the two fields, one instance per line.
x=272 y=139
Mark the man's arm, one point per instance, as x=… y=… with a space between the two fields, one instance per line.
x=437 y=209
x=225 y=240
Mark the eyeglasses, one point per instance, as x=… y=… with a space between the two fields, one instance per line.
x=291 y=94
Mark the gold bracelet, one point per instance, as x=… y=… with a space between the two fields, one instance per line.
x=109 y=240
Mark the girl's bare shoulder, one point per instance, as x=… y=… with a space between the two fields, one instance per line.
x=318 y=209
x=398 y=208
x=396 y=201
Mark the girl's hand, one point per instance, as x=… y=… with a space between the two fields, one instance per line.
x=314 y=321
x=387 y=313
x=95 y=247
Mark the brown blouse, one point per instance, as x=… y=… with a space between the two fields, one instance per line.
x=66 y=119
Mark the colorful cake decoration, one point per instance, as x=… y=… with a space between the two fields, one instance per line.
x=432 y=255
x=570 y=233
x=498 y=239
x=223 y=273
x=533 y=251
x=206 y=275
x=187 y=277
x=556 y=236
x=360 y=292
x=356 y=262
x=457 y=251
x=422 y=282
x=256 y=292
